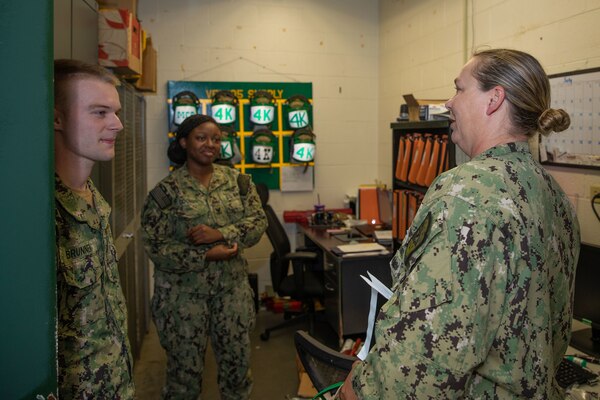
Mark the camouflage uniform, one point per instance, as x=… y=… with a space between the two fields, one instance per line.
x=94 y=358
x=195 y=299
x=483 y=288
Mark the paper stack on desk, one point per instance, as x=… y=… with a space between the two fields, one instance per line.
x=383 y=237
x=360 y=249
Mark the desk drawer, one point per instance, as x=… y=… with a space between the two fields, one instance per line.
x=332 y=299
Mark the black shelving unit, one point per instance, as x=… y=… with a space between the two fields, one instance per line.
x=437 y=127
x=404 y=128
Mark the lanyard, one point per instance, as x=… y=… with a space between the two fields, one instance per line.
x=376 y=288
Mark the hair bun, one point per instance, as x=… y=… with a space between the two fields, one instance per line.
x=553 y=120
x=176 y=153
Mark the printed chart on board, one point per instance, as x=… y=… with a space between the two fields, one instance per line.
x=578 y=93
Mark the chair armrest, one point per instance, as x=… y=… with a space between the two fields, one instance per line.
x=312 y=249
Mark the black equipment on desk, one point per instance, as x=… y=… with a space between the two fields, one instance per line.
x=586 y=307
x=366 y=230
x=569 y=373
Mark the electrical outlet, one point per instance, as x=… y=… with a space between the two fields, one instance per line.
x=595 y=190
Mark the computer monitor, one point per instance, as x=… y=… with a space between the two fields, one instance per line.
x=385 y=200
x=586 y=307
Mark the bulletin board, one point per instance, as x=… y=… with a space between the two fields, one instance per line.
x=269 y=174
x=578 y=93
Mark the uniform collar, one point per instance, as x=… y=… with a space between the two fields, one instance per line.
x=219 y=178
x=504 y=149
x=96 y=217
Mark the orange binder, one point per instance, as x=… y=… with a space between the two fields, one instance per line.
x=396 y=212
x=408 y=145
x=415 y=161
x=443 y=155
x=402 y=215
x=400 y=157
x=420 y=197
x=423 y=168
x=447 y=166
x=432 y=168
x=411 y=209
x=368 y=205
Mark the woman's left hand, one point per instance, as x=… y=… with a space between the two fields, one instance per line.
x=204 y=234
x=221 y=252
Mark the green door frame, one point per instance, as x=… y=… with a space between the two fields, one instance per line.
x=27 y=271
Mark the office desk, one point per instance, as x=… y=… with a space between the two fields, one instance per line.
x=347 y=296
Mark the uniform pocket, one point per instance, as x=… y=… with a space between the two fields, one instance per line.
x=188 y=213
x=423 y=295
x=80 y=265
x=228 y=208
x=418 y=241
x=425 y=279
x=233 y=201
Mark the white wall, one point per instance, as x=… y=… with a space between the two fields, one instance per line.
x=331 y=43
x=361 y=56
x=424 y=43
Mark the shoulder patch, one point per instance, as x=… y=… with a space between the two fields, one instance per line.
x=160 y=197
x=243 y=182
x=418 y=237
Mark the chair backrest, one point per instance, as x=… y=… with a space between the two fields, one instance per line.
x=323 y=365
x=278 y=238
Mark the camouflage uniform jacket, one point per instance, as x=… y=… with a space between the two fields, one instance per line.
x=180 y=202
x=483 y=284
x=93 y=350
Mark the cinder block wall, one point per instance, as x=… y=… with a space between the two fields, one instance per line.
x=361 y=57
x=333 y=44
x=424 y=43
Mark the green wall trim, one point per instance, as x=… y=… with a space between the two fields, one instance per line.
x=27 y=272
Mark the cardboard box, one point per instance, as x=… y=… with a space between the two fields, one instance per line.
x=130 y=5
x=305 y=386
x=119 y=41
x=414 y=106
x=147 y=81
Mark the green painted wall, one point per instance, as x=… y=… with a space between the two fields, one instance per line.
x=27 y=274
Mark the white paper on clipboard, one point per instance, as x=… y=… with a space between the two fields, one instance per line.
x=297 y=179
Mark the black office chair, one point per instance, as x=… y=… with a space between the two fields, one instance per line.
x=323 y=365
x=303 y=284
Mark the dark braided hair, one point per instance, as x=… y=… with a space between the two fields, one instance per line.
x=176 y=153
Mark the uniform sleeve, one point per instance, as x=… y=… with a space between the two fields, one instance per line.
x=248 y=230
x=168 y=253
x=440 y=323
